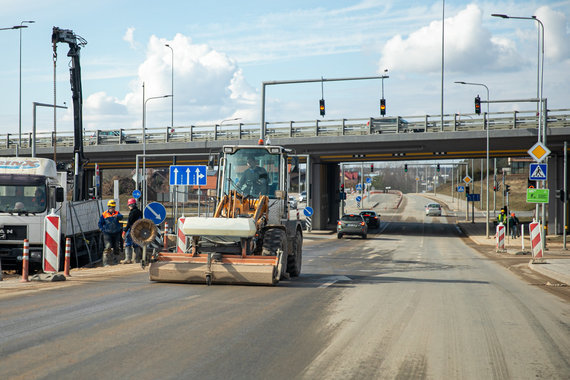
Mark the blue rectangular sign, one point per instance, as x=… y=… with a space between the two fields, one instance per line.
x=537 y=172
x=188 y=175
x=473 y=197
x=460 y=189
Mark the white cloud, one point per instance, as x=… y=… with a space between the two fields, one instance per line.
x=556 y=36
x=468 y=45
x=130 y=37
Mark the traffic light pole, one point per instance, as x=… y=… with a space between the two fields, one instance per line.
x=277 y=82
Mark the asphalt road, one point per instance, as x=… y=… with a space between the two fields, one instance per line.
x=411 y=301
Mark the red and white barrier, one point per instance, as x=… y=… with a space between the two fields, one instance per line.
x=67 y=257
x=181 y=239
x=535 y=240
x=25 y=261
x=500 y=237
x=52 y=227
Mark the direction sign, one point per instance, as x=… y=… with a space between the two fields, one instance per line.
x=136 y=194
x=188 y=175
x=473 y=197
x=537 y=195
x=155 y=211
x=358 y=186
x=467 y=180
x=460 y=189
x=308 y=211
x=537 y=172
x=368 y=180
x=539 y=151
x=358 y=198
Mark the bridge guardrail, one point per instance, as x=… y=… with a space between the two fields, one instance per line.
x=556 y=118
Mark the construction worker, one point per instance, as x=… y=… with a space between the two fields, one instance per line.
x=513 y=225
x=254 y=180
x=111 y=228
x=502 y=217
x=131 y=249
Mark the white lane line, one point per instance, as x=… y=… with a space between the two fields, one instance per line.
x=326 y=284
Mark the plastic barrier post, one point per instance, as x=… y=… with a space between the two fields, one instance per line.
x=535 y=240
x=51 y=252
x=25 y=261
x=67 y=257
x=165 y=236
x=181 y=239
x=522 y=237
x=500 y=237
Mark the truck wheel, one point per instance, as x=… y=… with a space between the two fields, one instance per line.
x=339 y=236
x=273 y=240
x=294 y=261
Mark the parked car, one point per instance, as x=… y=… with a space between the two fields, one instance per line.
x=351 y=224
x=112 y=135
x=303 y=196
x=371 y=218
x=292 y=202
x=433 y=209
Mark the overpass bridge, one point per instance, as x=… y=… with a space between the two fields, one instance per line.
x=324 y=142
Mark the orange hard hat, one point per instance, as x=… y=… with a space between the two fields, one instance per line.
x=512 y=214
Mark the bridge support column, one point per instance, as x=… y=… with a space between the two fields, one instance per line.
x=324 y=183
x=555 y=207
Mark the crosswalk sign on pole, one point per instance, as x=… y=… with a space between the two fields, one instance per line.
x=537 y=172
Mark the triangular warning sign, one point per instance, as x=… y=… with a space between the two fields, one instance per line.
x=538 y=173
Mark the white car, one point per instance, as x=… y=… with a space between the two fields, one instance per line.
x=433 y=209
x=292 y=202
x=303 y=196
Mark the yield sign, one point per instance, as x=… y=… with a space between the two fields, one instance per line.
x=537 y=172
x=467 y=180
x=539 y=151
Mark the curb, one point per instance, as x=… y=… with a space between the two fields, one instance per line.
x=544 y=270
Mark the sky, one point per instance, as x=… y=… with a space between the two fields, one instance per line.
x=223 y=51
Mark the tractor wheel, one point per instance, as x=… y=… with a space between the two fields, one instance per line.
x=275 y=239
x=294 y=261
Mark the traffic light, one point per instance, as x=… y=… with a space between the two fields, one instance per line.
x=437 y=168
x=477 y=105
x=382 y=106
x=466 y=189
x=91 y=193
x=342 y=187
x=560 y=194
x=371 y=168
x=405 y=168
x=322 y=107
x=530 y=184
x=494 y=188
x=507 y=189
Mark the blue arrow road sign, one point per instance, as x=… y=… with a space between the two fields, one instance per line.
x=358 y=198
x=308 y=211
x=136 y=194
x=537 y=172
x=156 y=212
x=188 y=175
x=368 y=180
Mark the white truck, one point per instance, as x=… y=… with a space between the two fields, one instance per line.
x=30 y=189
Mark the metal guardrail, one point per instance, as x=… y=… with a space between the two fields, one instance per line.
x=556 y=118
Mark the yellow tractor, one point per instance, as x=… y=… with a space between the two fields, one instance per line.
x=250 y=239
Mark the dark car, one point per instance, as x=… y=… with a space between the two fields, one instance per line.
x=371 y=218
x=351 y=224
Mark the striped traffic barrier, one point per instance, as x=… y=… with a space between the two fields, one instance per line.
x=165 y=238
x=308 y=223
x=181 y=239
x=500 y=237
x=67 y=257
x=535 y=240
x=25 y=261
x=51 y=243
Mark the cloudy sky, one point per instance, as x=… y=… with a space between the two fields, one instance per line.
x=224 y=50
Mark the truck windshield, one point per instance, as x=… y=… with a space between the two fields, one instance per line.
x=252 y=172
x=22 y=198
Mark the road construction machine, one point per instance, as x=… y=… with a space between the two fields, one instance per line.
x=250 y=238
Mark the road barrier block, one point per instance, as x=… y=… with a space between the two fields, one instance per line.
x=51 y=243
x=535 y=240
x=25 y=261
x=500 y=237
x=67 y=257
x=181 y=239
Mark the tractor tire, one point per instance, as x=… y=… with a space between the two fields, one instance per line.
x=273 y=240
x=295 y=260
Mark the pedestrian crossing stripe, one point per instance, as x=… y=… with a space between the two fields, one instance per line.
x=537 y=172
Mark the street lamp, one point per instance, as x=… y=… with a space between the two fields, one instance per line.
x=14 y=27
x=144 y=143
x=20 y=85
x=487 y=130
x=234 y=119
x=172 y=87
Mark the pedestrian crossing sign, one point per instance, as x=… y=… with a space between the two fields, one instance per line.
x=537 y=172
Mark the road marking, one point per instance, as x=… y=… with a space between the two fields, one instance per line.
x=331 y=280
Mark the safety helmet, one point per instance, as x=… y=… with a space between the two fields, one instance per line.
x=512 y=214
x=111 y=203
x=131 y=201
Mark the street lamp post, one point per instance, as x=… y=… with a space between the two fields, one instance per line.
x=14 y=27
x=172 y=88
x=144 y=144
x=20 y=85
x=487 y=132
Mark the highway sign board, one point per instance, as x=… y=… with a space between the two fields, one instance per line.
x=537 y=172
x=308 y=211
x=539 y=151
x=460 y=189
x=537 y=195
x=358 y=186
x=473 y=197
x=188 y=175
x=358 y=198
x=136 y=194
x=156 y=212
x=467 y=180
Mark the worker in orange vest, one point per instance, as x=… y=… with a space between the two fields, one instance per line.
x=111 y=229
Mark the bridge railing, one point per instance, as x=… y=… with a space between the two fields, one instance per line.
x=556 y=118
